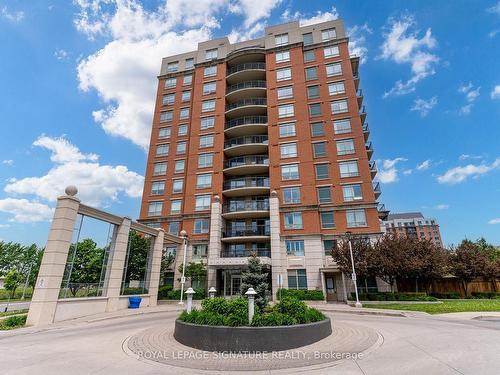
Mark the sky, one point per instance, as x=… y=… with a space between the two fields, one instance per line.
x=79 y=80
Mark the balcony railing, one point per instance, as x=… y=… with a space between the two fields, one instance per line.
x=237 y=183
x=247 y=120
x=254 y=230
x=246 y=102
x=247 y=160
x=241 y=205
x=246 y=66
x=366 y=128
x=376 y=188
x=373 y=166
x=248 y=140
x=266 y=252
x=369 y=147
x=246 y=85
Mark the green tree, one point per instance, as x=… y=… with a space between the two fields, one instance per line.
x=361 y=250
x=256 y=277
x=467 y=262
x=138 y=251
x=196 y=273
x=13 y=279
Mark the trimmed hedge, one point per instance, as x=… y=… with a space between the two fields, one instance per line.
x=12 y=322
x=166 y=292
x=301 y=294
x=449 y=295
x=485 y=295
x=388 y=296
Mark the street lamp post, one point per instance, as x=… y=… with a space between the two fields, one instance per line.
x=183 y=278
x=358 y=304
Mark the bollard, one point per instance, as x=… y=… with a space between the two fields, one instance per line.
x=189 y=295
x=251 y=303
x=211 y=292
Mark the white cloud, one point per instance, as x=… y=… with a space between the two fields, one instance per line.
x=471 y=94
x=495 y=93
x=8 y=162
x=246 y=34
x=424 y=165
x=405 y=47
x=493 y=33
x=17 y=16
x=424 y=106
x=389 y=173
x=494 y=9
x=407 y=172
x=460 y=174
x=61 y=54
x=494 y=221
x=441 y=206
x=25 y=211
x=357 y=41
x=467 y=156
x=97 y=184
x=308 y=19
x=253 y=11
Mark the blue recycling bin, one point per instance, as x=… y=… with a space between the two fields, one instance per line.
x=134 y=302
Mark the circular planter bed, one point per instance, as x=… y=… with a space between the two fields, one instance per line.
x=262 y=339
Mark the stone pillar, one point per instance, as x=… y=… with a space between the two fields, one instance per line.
x=48 y=284
x=154 y=268
x=214 y=246
x=116 y=265
x=276 y=256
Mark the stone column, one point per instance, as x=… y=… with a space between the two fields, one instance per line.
x=276 y=256
x=116 y=264
x=214 y=246
x=48 y=284
x=154 y=268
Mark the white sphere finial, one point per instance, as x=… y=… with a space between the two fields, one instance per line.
x=183 y=233
x=71 y=190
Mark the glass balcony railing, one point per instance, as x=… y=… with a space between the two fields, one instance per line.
x=248 y=140
x=245 y=231
x=246 y=102
x=246 y=205
x=244 y=253
x=246 y=85
x=246 y=66
x=237 y=183
x=247 y=160
x=247 y=120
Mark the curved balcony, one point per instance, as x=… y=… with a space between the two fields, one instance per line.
x=246 y=72
x=251 y=233
x=247 y=145
x=246 y=126
x=247 y=165
x=246 y=89
x=247 y=107
x=244 y=253
x=246 y=186
x=241 y=209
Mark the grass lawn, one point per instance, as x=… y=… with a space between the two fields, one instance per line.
x=448 y=306
x=15 y=312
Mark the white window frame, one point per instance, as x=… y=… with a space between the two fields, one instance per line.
x=158 y=188
x=285 y=92
x=207 y=87
x=201 y=202
x=286 y=172
x=328 y=34
x=207 y=72
x=286 y=110
x=177 y=163
x=283 y=74
x=288 y=150
x=339 y=106
x=204 y=181
x=182 y=112
x=285 y=129
x=335 y=88
x=297 y=222
x=358 y=221
x=349 y=193
x=345 y=151
x=181 y=148
x=206 y=120
x=158 y=208
x=282 y=56
x=211 y=54
x=350 y=172
x=207 y=141
x=187 y=80
x=208 y=105
x=331 y=51
x=281 y=39
x=291 y=192
x=334 y=71
x=163 y=146
x=158 y=169
x=175 y=185
x=205 y=157
x=341 y=122
x=176 y=206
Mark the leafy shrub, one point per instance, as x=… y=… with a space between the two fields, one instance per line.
x=389 y=296
x=163 y=291
x=273 y=318
x=301 y=294
x=450 y=295
x=13 y=322
x=174 y=294
x=133 y=291
x=485 y=295
x=5 y=294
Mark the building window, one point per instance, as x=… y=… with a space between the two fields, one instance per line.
x=208 y=105
x=356 y=218
x=295 y=247
x=175 y=206
x=189 y=63
x=287 y=130
x=327 y=221
x=307 y=38
x=210 y=71
x=206 y=141
x=286 y=110
x=317 y=129
x=281 y=39
x=209 y=88
x=159 y=169
x=173 y=67
x=211 y=54
x=186 y=96
x=184 y=113
x=181 y=148
x=348 y=168
x=285 y=92
x=162 y=150
x=205 y=160
x=352 y=192
x=333 y=70
x=312 y=92
x=187 y=79
x=283 y=74
x=339 y=106
x=282 y=56
x=183 y=130
x=201 y=226
x=309 y=56
x=173 y=227
x=288 y=150
x=200 y=250
x=153 y=225
x=207 y=123
x=311 y=73
x=291 y=194
x=290 y=172
x=168 y=99
x=314 y=110
x=164 y=132
x=321 y=171
x=203 y=181
x=178 y=185
x=158 y=188
x=329 y=245
x=328 y=34
x=155 y=208
x=297 y=279
x=331 y=51
x=293 y=220
x=202 y=202
x=342 y=126
x=345 y=147
x=336 y=88
x=170 y=83
x=319 y=149
x=166 y=116
x=324 y=194
x=179 y=166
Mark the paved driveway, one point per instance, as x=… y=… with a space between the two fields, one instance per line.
x=14 y=306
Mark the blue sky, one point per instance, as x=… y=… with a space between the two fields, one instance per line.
x=79 y=80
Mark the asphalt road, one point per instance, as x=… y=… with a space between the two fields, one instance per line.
x=14 y=306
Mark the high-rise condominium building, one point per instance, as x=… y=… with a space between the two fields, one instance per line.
x=262 y=147
x=413 y=224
